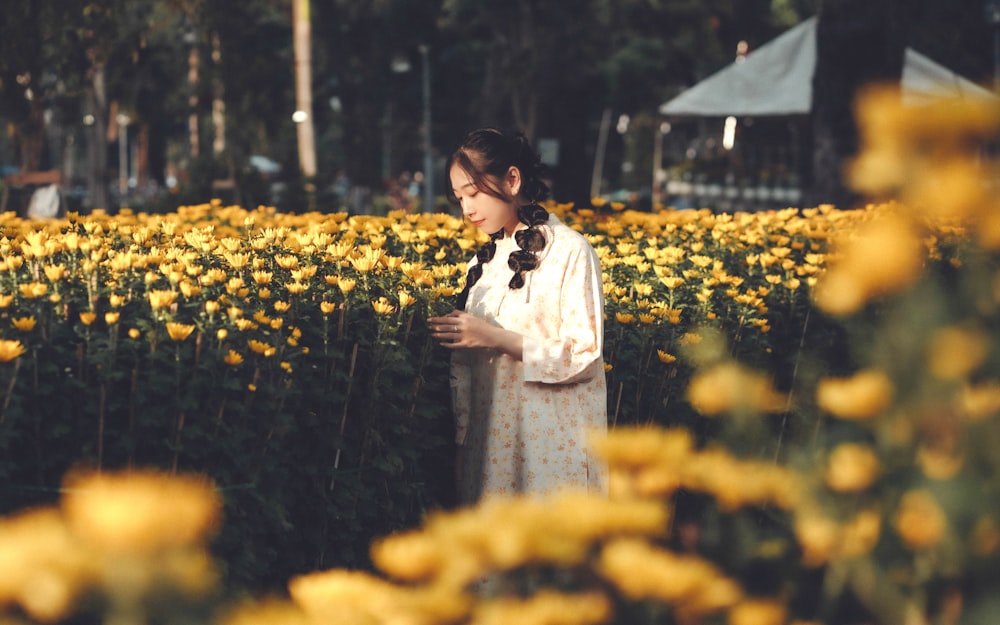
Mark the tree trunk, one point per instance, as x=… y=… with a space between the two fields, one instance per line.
x=302 y=33
x=194 y=79
x=218 y=101
x=858 y=42
x=97 y=146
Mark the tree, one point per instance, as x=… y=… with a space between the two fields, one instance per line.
x=858 y=42
x=302 y=33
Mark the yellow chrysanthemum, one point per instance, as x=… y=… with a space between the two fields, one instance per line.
x=863 y=395
x=730 y=386
x=851 y=467
x=9 y=350
x=919 y=520
x=179 y=331
x=954 y=352
x=33 y=290
x=641 y=571
x=24 y=324
x=881 y=257
x=160 y=299
x=758 y=612
x=382 y=306
x=665 y=357
x=259 y=347
x=141 y=511
x=52 y=566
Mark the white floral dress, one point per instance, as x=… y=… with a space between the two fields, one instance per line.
x=522 y=426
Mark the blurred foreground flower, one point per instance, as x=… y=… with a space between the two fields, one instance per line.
x=141 y=511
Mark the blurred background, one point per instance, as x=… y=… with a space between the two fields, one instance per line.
x=354 y=105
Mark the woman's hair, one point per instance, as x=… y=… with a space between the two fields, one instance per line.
x=486 y=155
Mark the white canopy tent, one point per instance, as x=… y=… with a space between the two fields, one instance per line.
x=776 y=79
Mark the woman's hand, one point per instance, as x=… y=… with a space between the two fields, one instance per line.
x=459 y=329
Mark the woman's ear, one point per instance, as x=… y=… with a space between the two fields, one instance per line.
x=514 y=180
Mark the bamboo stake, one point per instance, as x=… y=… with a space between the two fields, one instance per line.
x=343 y=416
x=10 y=390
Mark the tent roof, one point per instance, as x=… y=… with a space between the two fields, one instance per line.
x=776 y=79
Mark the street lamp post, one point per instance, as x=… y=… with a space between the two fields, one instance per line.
x=428 y=162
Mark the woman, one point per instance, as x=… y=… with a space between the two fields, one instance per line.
x=527 y=376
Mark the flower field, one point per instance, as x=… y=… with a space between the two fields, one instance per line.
x=804 y=409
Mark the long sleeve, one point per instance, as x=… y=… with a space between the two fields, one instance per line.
x=571 y=354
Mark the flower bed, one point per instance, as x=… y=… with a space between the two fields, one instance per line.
x=816 y=393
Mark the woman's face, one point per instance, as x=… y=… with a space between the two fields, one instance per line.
x=486 y=212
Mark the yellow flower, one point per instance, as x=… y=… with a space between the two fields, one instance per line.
x=346 y=285
x=730 y=386
x=282 y=306
x=88 y=317
x=212 y=306
x=757 y=612
x=133 y=333
x=233 y=358
x=327 y=307
x=405 y=299
x=115 y=300
x=221 y=334
x=33 y=290
x=954 y=352
x=24 y=324
x=6 y=300
x=383 y=307
x=262 y=277
x=625 y=318
x=641 y=571
x=140 y=511
x=189 y=289
x=545 y=607
x=863 y=395
x=55 y=272
x=860 y=535
x=939 y=464
x=665 y=357
x=980 y=401
x=245 y=324
x=53 y=568
x=882 y=257
x=260 y=347
x=851 y=467
x=179 y=331
x=818 y=536
x=233 y=285
x=159 y=299
x=367 y=260
x=9 y=350
x=237 y=260
x=111 y=318
x=919 y=520
x=296 y=287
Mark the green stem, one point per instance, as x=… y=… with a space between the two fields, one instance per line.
x=10 y=390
